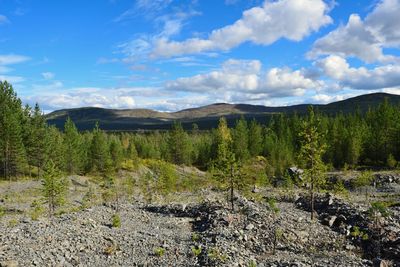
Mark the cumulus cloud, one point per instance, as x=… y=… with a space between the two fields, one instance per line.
x=364 y=39
x=11 y=79
x=247 y=77
x=83 y=97
x=12 y=59
x=290 y=19
x=338 y=68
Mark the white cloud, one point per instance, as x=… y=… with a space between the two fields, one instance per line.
x=147 y=7
x=12 y=79
x=338 y=68
x=3 y=19
x=364 y=39
x=12 y=59
x=290 y=19
x=246 y=77
x=48 y=75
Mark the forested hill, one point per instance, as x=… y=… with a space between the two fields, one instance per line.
x=205 y=117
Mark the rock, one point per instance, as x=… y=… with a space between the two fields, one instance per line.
x=10 y=263
x=332 y=221
x=377 y=262
x=249 y=227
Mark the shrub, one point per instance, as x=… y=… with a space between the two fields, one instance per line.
x=116 y=220
x=37 y=210
x=196 y=250
x=159 y=252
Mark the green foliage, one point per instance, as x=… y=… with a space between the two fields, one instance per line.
x=54 y=187
x=311 y=152
x=180 y=148
x=159 y=251
x=240 y=140
x=36 y=210
x=271 y=202
x=99 y=151
x=88 y=198
x=196 y=250
x=391 y=161
x=252 y=263
x=368 y=139
x=226 y=167
x=12 y=150
x=195 y=237
x=365 y=178
x=72 y=145
x=378 y=209
x=165 y=175
x=116 y=220
x=116 y=152
x=215 y=254
x=359 y=234
x=2 y=211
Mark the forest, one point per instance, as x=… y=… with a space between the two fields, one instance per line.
x=351 y=141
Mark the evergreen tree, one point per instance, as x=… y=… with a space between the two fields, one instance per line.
x=311 y=153
x=179 y=146
x=72 y=146
x=116 y=152
x=54 y=148
x=54 y=187
x=255 y=139
x=12 y=150
x=241 y=140
x=226 y=165
x=99 y=152
x=36 y=144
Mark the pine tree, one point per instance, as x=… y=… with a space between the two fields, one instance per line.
x=99 y=152
x=12 y=150
x=54 y=148
x=179 y=146
x=54 y=187
x=312 y=149
x=72 y=146
x=36 y=143
x=255 y=139
x=116 y=152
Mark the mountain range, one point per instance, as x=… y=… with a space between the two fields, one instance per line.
x=205 y=117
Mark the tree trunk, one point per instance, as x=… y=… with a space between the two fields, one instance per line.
x=312 y=201
x=232 y=205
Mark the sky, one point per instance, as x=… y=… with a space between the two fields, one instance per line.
x=175 y=54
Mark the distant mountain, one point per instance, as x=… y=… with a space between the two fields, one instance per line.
x=205 y=117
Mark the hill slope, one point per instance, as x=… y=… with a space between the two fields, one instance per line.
x=206 y=116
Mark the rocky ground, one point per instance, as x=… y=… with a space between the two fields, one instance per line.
x=192 y=229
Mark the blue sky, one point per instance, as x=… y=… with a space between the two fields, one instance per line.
x=170 y=54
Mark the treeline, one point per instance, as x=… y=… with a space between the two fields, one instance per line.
x=27 y=143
